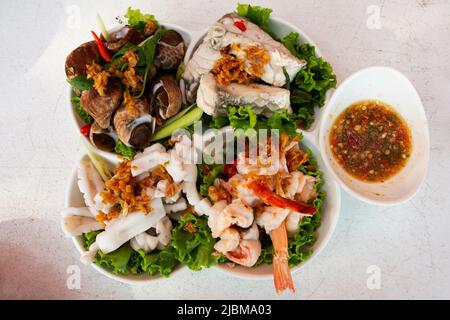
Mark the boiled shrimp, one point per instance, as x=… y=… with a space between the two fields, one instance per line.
x=281 y=273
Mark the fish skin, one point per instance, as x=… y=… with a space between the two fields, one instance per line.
x=224 y=33
x=212 y=97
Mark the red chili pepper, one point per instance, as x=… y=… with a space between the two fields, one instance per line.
x=101 y=48
x=240 y=25
x=272 y=199
x=231 y=169
x=84 y=130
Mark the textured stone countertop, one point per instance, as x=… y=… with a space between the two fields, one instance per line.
x=410 y=243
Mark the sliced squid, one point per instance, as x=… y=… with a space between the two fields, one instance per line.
x=145 y=242
x=191 y=192
x=216 y=220
x=164 y=231
x=88 y=256
x=178 y=206
x=77 y=225
x=203 y=207
x=149 y=159
x=90 y=183
x=122 y=229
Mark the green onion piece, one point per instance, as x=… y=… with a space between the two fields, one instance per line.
x=183 y=122
x=102 y=27
x=98 y=164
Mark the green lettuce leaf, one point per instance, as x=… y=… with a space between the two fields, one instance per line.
x=284 y=123
x=194 y=249
x=126 y=260
x=243 y=117
x=117 y=261
x=124 y=150
x=138 y=19
x=215 y=122
x=256 y=14
x=158 y=262
x=89 y=238
x=80 y=110
x=311 y=84
x=212 y=171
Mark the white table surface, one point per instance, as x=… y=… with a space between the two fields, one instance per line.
x=39 y=146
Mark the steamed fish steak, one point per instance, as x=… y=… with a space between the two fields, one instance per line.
x=212 y=97
x=225 y=35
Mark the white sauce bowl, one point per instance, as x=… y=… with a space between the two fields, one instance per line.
x=393 y=88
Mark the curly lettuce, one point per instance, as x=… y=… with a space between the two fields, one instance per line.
x=311 y=83
x=80 y=110
x=126 y=260
x=116 y=261
x=256 y=14
x=158 y=262
x=138 y=19
x=244 y=117
x=89 y=238
x=207 y=175
x=193 y=242
x=124 y=150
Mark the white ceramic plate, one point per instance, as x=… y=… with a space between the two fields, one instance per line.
x=330 y=211
x=74 y=198
x=78 y=123
x=391 y=87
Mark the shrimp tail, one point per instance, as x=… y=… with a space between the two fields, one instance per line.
x=281 y=274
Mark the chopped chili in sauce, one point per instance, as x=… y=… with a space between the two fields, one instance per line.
x=370 y=141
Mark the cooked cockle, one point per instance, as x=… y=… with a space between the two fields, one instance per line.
x=79 y=58
x=166 y=98
x=104 y=139
x=101 y=108
x=133 y=124
x=169 y=51
x=126 y=34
